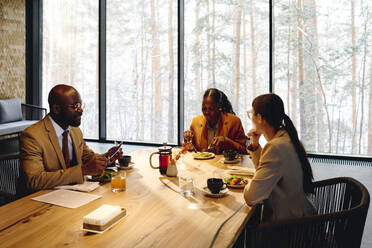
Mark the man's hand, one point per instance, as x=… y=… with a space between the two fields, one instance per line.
x=118 y=155
x=95 y=166
x=216 y=145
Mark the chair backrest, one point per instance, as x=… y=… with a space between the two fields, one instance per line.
x=10 y=110
x=342 y=204
x=12 y=180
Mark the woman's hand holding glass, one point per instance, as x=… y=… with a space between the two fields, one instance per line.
x=187 y=144
x=254 y=137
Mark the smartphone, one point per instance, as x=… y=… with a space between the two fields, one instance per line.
x=115 y=151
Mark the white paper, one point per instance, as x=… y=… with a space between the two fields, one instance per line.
x=66 y=198
x=84 y=187
x=242 y=171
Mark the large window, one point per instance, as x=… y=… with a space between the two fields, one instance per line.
x=70 y=54
x=323 y=72
x=142 y=70
x=226 y=47
x=321 y=64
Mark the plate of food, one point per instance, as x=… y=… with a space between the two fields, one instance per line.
x=104 y=177
x=236 y=182
x=203 y=155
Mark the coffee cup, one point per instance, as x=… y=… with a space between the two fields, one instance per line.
x=230 y=155
x=125 y=160
x=215 y=185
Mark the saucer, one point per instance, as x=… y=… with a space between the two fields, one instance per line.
x=130 y=166
x=223 y=192
x=234 y=161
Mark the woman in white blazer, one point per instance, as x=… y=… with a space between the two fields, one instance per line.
x=283 y=177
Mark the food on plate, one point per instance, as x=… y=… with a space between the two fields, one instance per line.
x=236 y=181
x=203 y=154
x=103 y=176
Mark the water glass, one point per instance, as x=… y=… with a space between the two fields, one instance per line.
x=186 y=185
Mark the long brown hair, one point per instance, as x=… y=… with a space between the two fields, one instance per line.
x=271 y=108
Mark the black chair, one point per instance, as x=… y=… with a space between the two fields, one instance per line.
x=9 y=132
x=342 y=205
x=33 y=112
x=12 y=180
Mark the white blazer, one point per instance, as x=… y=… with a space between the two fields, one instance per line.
x=278 y=181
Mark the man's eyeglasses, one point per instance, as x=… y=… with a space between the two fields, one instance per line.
x=250 y=114
x=76 y=106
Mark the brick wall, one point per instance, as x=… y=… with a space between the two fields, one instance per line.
x=12 y=49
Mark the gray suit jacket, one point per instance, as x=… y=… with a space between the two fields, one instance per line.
x=42 y=159
x=278 y=181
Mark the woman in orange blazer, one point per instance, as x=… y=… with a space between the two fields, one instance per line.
x=217 y=129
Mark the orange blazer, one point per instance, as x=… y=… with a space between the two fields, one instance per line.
x=42 y=159
x=230 y=127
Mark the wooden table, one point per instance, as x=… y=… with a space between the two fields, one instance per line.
x=158 y=216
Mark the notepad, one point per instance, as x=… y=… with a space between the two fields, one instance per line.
x=242 y=171
x=84 y=187
x=66 y=198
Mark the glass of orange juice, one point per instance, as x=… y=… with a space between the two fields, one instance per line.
x=119 y=181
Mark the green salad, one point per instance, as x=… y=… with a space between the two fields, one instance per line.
x=202 y=155
x=236 y=180
x=104 y=175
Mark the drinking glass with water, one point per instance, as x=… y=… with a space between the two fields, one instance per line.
x=186 y=185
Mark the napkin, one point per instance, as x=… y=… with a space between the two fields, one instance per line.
x=241 y=171
x=84 y=187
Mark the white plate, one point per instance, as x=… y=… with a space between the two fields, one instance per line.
x=222 y=193
x=212 y=155
x=130 y=166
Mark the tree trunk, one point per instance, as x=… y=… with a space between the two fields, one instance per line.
x=319 y=102
x=253 y=50
x=353 y=80
x=362 y=89
x=171 y=74
x=312 y=74
x=143 y=74
x=136 y=81
x=345 y=137
x=156 y=77
x=238 y=17
x=294 y=68
x=209 y=65
x=197 y=53
x=245 y=62
x=308 y=88
x=369 y=151
x=338 y=126
x=288 y=67
x=213 y=44
x=301 y=79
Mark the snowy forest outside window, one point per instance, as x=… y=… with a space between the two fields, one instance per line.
x=322 y=64
x=70 y=54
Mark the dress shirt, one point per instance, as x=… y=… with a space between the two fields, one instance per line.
x=59 y=132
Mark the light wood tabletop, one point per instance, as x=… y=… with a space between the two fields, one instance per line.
x=158 y=216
